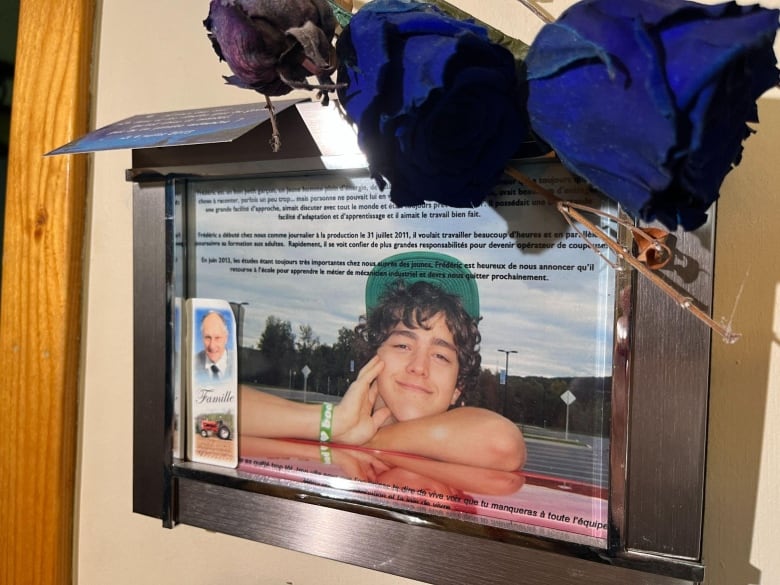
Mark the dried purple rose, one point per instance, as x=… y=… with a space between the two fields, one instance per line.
x=273 y=46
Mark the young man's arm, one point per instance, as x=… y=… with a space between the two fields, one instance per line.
x=354 y=422
x=265 y=415
x=466 y=435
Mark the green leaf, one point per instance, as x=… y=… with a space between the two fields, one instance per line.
x=342 y=16
x=518 y=48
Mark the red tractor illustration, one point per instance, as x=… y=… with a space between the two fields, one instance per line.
x=214 y=427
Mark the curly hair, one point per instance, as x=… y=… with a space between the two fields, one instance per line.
x=414 y=305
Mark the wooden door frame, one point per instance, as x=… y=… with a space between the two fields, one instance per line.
x=40 y=314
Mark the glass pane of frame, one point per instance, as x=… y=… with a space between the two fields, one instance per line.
x=303 y=259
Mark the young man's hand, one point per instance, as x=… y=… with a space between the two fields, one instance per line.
x=358 y=465
x=354 y=421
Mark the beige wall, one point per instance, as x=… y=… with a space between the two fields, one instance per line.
x=153 y=56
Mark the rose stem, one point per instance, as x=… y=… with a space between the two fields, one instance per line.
x=567 y=209
x=538 y=12
x=276 y=138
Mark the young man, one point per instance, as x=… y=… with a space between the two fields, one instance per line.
x=421 y=334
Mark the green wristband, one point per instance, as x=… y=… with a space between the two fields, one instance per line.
x=326 y=456
x=326 y=422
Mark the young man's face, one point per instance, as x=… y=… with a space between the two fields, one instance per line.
x=420 y=372
x=214 y=337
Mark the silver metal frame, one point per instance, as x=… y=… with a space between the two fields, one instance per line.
x=658 y=438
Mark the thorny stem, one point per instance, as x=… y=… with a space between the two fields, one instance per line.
x=685 y=302
x=665 y=254
x=571 y=210
x=276 y=138
x=538 y=12
x=613 y=265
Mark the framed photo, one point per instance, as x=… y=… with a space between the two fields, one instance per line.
x=526 y=405
x=312 y=259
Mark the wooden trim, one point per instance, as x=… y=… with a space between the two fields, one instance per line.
x=40 y=315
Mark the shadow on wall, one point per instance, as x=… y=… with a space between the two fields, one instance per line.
x=9 y=18
x=6 y=85
x=737 y=502
x=6 y=93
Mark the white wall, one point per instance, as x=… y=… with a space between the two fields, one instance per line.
x=153 y=56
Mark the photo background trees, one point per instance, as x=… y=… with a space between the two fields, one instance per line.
x=278 y=357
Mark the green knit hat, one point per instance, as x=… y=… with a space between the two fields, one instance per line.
x=444 y=271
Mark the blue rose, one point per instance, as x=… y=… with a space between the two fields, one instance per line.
x=648 y=99
x=436 y=103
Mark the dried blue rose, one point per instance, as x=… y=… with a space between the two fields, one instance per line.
x=272 y=46
x=436 y=104
x=648 y=99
